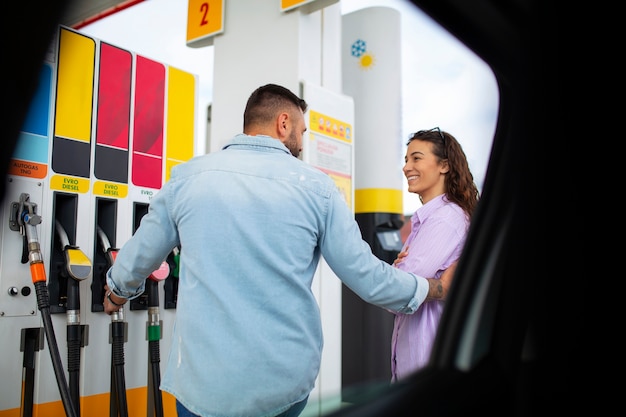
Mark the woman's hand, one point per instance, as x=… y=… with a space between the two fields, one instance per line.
x=400 y=258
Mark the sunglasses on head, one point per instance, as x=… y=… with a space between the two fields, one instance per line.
x=434 y=129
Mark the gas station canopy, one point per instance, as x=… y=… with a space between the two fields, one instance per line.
x=80 y=13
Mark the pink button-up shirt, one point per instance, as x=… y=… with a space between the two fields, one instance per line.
x=438 y=232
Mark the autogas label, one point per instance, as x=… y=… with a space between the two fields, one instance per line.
x=69 y=184
x=28 y=169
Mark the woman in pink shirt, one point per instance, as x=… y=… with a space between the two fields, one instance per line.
x=436 y=169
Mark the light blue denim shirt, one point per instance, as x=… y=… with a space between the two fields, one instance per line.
x=252 y=222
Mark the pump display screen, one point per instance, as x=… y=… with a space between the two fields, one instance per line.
x=390 y=240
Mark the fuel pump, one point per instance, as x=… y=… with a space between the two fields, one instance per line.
x=78 y=268
x=27 y=220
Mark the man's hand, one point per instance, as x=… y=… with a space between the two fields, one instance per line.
x=438 y=288
x=110 y=299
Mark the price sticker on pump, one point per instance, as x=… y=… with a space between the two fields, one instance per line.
x=205 y=19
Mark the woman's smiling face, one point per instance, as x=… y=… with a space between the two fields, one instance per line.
x=424 y=171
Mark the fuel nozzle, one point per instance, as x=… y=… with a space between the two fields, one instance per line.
x=154 y=336
x=162 y=272
x=152 y=288
x=23 y=218
x=77 y=264
x=109 y=252
x=176 y=252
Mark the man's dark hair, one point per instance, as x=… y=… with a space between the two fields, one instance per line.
x=267 y=101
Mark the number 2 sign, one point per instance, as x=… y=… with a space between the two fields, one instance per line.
x=205 y=18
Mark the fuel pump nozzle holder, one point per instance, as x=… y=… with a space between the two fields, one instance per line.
x=24 y=215
x=27 y=220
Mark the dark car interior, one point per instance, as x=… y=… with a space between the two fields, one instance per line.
x=502 y=348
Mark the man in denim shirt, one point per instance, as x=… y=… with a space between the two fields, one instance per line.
x=251 y=222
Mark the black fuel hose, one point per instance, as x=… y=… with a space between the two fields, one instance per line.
x=74 y=338
x=29 y=220
x=74 y=329
x=118 y=403
x=117 y=363
x=154 y=337
x=43 y=303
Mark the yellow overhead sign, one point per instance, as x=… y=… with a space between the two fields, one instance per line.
x=312 y=5
x=290 y=4
x=205 y=19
